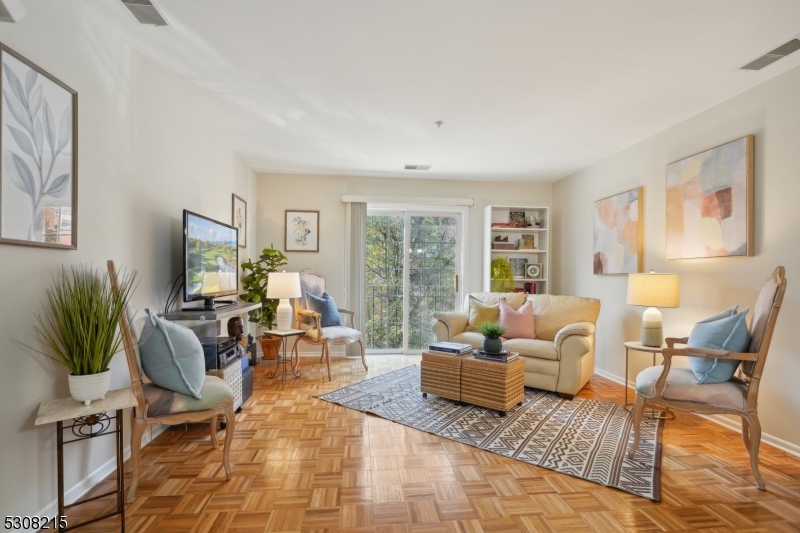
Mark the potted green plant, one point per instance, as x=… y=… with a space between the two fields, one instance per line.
x=79 y=326
x=492 y=331
x=502 y=275
x=254 y=281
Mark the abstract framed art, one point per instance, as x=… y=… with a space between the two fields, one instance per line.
x=239 y=219
x=302 y=231
x=39 y=146
x=617 y=237
x=710 y=202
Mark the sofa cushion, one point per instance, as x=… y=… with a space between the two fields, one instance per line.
x=480 y=313
x=519 y=323
x=682 y=385
x=514 y=299
x=554 y=312
x=334 y=334
x=718 y=333
x=473 y=338
x=532 y=348
x=172 y=356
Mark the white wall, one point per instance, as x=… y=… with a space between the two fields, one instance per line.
x=146 y=153
x=771 y=111
x=277 y=192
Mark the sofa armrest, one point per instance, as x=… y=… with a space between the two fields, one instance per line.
x=447 y=325
x=584 y=329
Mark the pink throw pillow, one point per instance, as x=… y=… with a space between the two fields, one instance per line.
x=519 y=324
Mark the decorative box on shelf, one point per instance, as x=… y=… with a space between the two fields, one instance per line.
x=503 y=246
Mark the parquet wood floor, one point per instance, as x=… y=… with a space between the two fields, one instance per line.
x=301 y=464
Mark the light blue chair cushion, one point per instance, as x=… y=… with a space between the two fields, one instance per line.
x=719 y=332
x=326 y=307
x=172 y=356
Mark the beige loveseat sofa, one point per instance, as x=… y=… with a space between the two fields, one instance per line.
x=560 y=358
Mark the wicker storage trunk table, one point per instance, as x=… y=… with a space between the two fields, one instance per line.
x=492 y=384
x=441 y=375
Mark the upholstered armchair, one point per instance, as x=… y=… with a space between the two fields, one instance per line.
x=156 y=405
x=677 y=387
x=314 y=284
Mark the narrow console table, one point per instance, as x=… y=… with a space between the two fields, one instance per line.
x=88 y=422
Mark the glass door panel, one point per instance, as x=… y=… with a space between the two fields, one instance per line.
x=384 y=282
x=404 y=289
x=432 y=274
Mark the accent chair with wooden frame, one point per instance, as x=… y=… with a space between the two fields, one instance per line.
x=314 y=284
x=677 y=388
x=156 y=405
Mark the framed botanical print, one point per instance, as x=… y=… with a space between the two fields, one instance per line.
x=39 y=146
x=302 y=231
x=239 y=219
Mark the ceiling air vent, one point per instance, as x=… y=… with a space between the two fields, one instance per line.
x=771 y=57
x=145 y=12
x=418 y=167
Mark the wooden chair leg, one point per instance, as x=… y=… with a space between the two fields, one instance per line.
x=363 y=360
x=213 y=427
x=746 y=434
x=322 y=355
x=230 y=421
x=129 y=466
x=137 y=433
x=326 y=352
x=755 y=442
x=636 y=414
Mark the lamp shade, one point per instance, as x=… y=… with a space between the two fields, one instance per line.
x=283 y=285
x=654 y=290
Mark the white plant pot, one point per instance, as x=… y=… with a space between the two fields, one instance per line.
x=91 y=387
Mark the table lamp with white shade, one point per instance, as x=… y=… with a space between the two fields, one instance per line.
x=653 y=290
x=282 y=286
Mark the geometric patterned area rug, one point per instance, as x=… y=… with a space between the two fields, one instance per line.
x=580 y=437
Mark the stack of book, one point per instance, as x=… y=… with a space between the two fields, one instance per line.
x=502 y=357
x=450 y=348
x=527 y=242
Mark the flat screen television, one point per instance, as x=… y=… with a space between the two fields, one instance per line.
x=210 y=259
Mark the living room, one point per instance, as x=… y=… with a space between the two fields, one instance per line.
x=312 y=107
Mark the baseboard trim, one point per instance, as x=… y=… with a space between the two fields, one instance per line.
x=86 y=484
x=783 y=445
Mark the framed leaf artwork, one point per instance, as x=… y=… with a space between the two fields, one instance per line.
x=617 y=237
x=710 y=202
x=39 y=146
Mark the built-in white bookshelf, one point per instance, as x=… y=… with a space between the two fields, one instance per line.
x=536 y=235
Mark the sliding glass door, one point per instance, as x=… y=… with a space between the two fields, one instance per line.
x=413 y=264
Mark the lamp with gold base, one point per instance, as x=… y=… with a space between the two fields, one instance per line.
x=653 y=290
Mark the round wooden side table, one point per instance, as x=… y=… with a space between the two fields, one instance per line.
x=652 y=411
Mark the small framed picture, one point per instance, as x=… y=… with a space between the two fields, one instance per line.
x=239 y=219
x=517 y=218
x=518 y=266
x=533 y=271
x=302 y=231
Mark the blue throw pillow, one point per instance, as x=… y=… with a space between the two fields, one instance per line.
x=326 y=307
x=172 y=356
x=719 y=332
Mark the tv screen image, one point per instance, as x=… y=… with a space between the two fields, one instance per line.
x=211 y=256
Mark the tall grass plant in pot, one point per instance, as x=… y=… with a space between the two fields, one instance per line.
x=79 y=327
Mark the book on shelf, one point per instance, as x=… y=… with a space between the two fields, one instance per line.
x=451 y=348
x=530 y=288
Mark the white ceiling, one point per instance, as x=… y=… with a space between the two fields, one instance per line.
x=528 y=90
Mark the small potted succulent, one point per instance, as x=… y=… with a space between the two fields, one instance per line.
x=79 y=327
x=492 y=331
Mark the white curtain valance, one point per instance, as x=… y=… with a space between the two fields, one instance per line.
x=416 y=200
